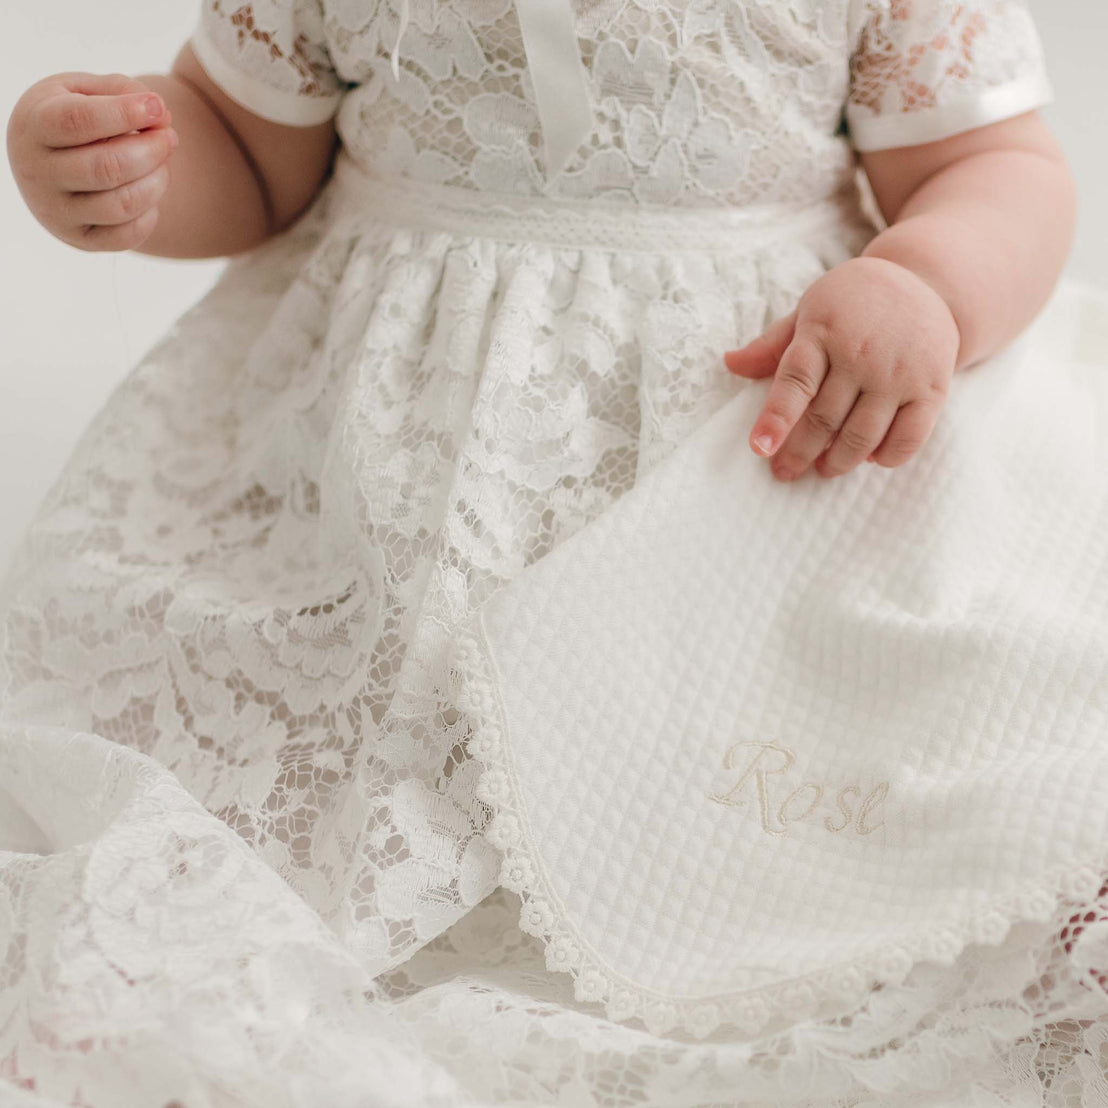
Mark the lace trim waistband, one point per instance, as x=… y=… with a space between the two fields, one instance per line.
x=584 y=223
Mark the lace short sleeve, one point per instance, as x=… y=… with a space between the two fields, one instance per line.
x=923 y=70
x=271 y=56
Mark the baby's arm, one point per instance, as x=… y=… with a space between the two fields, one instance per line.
x=980 y=227
x=276 y=169
x=985 y=217
x=231 y=181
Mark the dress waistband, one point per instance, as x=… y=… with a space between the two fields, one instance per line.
x=582 y=223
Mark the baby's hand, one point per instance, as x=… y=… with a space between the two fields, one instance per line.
x=863 y=367
x=89 y=156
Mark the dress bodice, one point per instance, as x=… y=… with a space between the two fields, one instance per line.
x=713 y=102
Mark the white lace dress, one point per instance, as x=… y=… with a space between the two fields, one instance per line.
x=245 y=856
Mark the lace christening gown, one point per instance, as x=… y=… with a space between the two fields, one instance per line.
x=247 y=852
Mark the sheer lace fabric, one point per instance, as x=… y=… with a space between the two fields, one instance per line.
x=271 y=56
x=921 y=70
x=331 y=479
x=236 y=779
x=711 y=103
x=952 y=51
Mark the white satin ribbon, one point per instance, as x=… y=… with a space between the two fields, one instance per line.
x=395 y=59
x=558 y=76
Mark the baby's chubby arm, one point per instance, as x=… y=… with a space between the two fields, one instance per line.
x=202 y=177
x=980 y=225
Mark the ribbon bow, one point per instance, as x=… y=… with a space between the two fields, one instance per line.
x=558 y=75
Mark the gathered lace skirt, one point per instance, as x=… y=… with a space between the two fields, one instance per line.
x=245 y=853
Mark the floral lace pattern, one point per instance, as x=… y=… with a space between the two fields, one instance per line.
x=913 y=56
x=350 y=444
x=705 y=104
x=278 y=43
x=932 y=1041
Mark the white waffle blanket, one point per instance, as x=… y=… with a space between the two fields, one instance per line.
x=753 y=748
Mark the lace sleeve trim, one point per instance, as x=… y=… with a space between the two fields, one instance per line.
x=882 y=132
x=308 y=105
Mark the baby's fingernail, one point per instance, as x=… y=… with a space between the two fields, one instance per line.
x=764 y=443
x=153 y=107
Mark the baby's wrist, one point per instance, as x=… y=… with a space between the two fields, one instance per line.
x=930 y=284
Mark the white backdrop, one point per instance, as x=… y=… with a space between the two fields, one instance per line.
x=72 y=324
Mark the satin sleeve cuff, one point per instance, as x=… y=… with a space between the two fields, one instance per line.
x=883 y=132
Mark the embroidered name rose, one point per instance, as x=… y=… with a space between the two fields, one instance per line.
x=761 y=767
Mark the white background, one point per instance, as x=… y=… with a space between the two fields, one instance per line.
x=73 y=324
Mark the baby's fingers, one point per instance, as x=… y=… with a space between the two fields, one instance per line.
x=123 y=236
x=864 y=428
x=759 y=358
x=74 y=118
x=107 y=165
x=800 y=372
x=119 y=205
x=908 y=432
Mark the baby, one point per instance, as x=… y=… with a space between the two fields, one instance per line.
x=980 y=225
x=264 y=569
